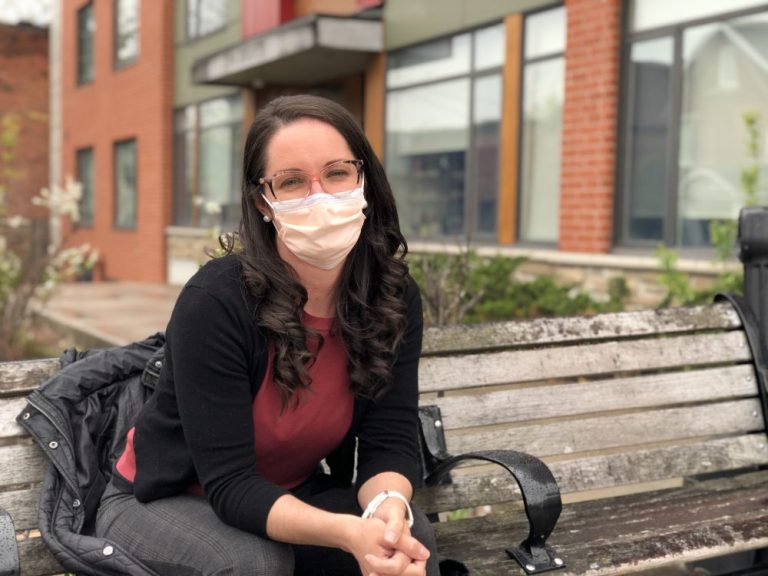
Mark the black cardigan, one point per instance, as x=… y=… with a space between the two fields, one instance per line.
x=198 y=426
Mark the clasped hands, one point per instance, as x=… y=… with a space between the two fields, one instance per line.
x=384 y=545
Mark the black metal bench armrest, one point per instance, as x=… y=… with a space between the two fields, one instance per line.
x=541 y=495
x=541 y=498
x=9 y=551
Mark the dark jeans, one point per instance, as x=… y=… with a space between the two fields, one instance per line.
x=182 y=536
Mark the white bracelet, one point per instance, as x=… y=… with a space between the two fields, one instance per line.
x=374 y=504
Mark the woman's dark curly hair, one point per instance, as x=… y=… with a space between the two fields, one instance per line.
x=370 y=312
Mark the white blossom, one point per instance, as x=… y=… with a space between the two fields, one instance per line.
x=212 y=207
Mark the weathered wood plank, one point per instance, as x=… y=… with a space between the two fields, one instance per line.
x=490 y=336
x=22 y=506
x=21 y=464
x=26 y=375
x=36 y=560
x=9 y=409
x=604 y=471
x=453 y=372
x=522 y=404
x=648 y=465
x=614 y=431
x=628 y=533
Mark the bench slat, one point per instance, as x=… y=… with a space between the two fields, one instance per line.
x=22 y=464
x=36 y=560
x=9 y=409
x=24 y=376
x=450 y=373
x=632 y=533
x=557 y=400
x=22 y=506
x=461 y=338
x=662 y=463
x=613 y=431
x=631 y=467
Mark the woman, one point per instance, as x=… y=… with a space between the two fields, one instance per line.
x=288 y=353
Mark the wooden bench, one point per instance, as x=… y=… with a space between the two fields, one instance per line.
x=652 y=422
x=660 y=404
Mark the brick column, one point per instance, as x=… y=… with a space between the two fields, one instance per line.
x=590 y=117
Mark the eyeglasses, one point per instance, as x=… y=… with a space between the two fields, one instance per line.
x=341 y=176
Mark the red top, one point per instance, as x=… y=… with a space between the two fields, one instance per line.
x=291 y=442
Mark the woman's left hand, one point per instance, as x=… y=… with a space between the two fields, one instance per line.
x=409 y=556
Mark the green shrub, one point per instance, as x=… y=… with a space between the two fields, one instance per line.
x=467 y=288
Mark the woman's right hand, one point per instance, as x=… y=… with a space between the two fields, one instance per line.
x=377 y=556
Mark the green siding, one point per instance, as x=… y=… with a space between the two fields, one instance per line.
x=413 y=21
x=187 y=51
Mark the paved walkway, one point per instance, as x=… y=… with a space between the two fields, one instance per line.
x=109 y=313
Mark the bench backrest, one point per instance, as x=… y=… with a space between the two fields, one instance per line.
x=628 y=401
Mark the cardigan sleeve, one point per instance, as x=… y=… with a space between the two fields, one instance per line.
x=211 y=372
x=388 y=432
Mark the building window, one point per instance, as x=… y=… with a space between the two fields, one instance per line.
x=207 y=161
x=688 y=86
x=126 y=32
x=205 y=17
x=86 y=26
x=85 y=177
x=442 y=134
x=125 y=184
x=542 y=123
x=184 y=162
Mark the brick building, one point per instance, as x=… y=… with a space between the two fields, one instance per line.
x=581 y=134
x=24 y=109
x=117 y=111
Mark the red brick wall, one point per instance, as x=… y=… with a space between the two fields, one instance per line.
x=590 y=118
x=133 y=102
x=24 y=96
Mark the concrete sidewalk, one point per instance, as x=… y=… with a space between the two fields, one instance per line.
x=96 y=314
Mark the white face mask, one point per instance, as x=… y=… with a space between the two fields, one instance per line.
x=320 y=229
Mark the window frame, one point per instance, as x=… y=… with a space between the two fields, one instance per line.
x=623 y=151
x=80 y=153
x=115 y=192
x=81 y=78
x=117 y=62
x=471 y=197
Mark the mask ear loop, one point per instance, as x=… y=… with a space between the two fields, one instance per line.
x=267 y=217
x=362 y=185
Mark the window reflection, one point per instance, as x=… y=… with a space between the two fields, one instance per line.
x=126 y=31
x=650 y=71
x=86 y=27
x=207 y=163
x=489 y=47
x=545 y=33
x=427 y=141
x=431 y=61
x=125 y=184
x=486 y=117
x=442 y=134
x=542 y=125
x=647 y=14
x=205 y=17
x=544 y=89
x=725 y=75
x=684 y=172
x=84 y=163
